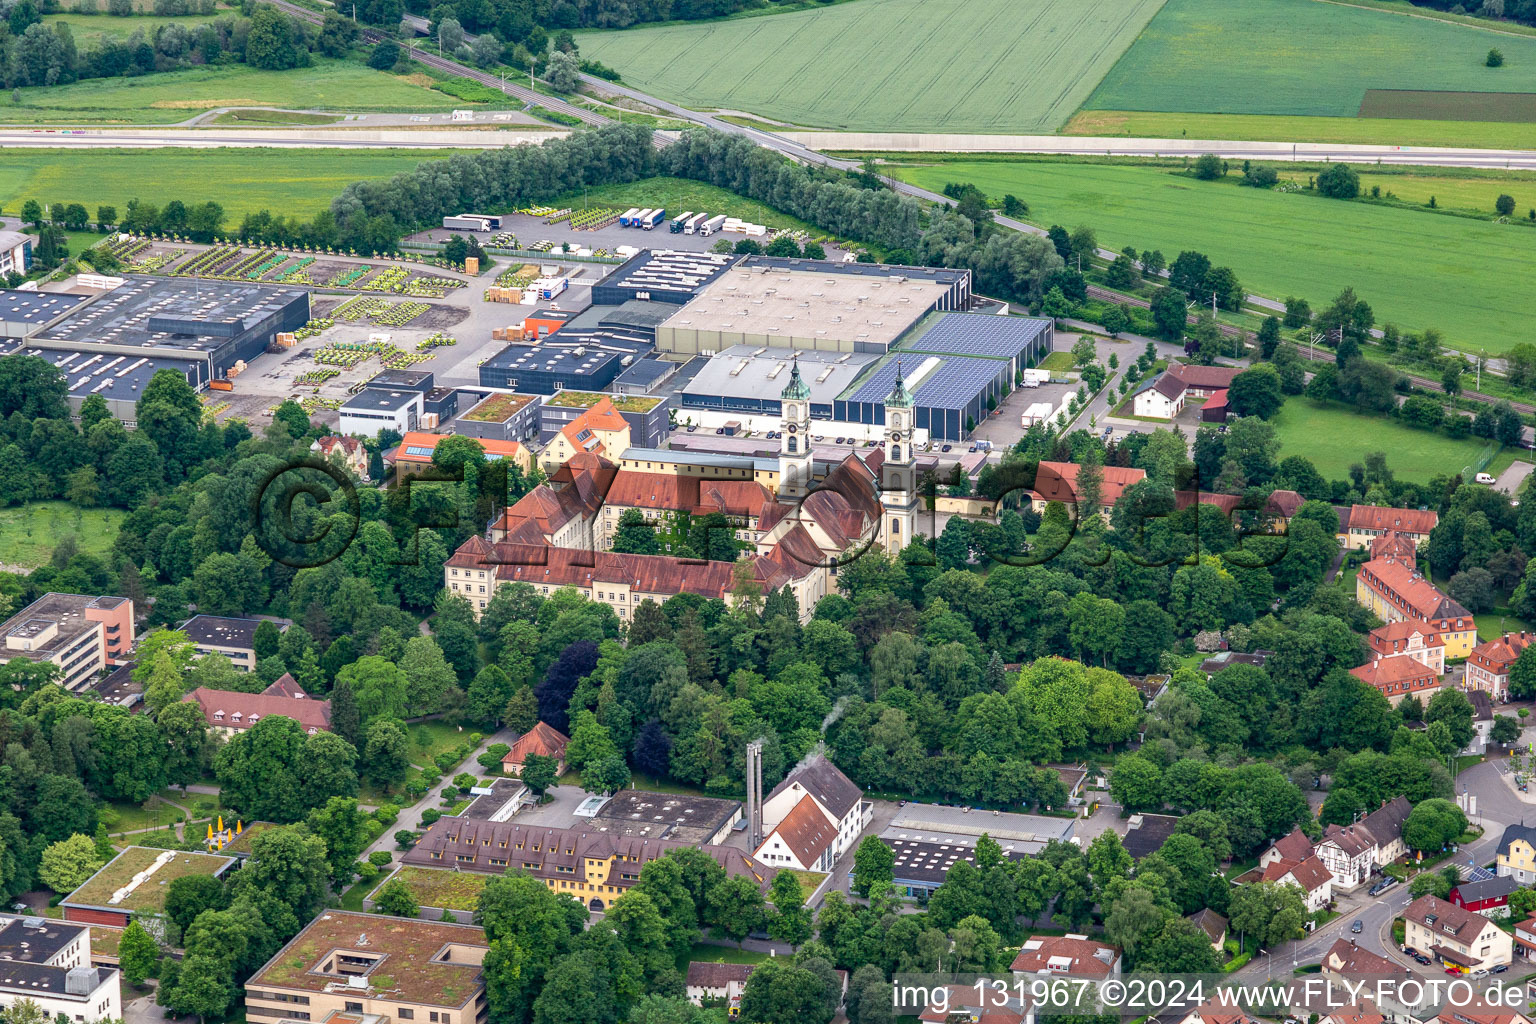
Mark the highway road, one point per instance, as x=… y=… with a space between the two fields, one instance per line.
x=277 y=138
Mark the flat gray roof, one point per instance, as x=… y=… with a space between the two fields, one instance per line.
x=122 y=316
x=975 y=334
x=941 y=823
x=120 y=378
x=723 y=460
x=748 y=371
x=813 y=302
x=29 y=307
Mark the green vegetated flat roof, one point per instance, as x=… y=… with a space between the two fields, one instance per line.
x=587 y=399
x=149 y=895
x=1301 y=57
x=975 y=66
x=105 y=940
x=407 y=971
x=450 y=890
x=497 y=408
x=1416 y=268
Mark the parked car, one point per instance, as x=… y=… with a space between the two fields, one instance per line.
x=1426 y=961
x=1410 y=951
x=719 y=430
x=1382 y=886
x=973 y=448
x=1453 y=970
x=1501 y=968
x=692 y=428
x=947 y=448
x=839 y=441
x=1481 y=972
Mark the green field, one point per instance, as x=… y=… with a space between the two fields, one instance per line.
x=90 y=30
x=29 y=533
x=1335 y=437
x=175 y=96
x=1416 y=268
x=680 y=194
x=1144 y=124
x=887 y=65
x=1301 y=57
x=292 y=181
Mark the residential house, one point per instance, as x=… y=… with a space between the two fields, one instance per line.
x=1076 y=955
x=1480 y=1012
x=542 y=739
x=832 y=795
x=1367 y=522
x=1293 y=846
x=595 y=867
x=228 y=712
x=1490 y=662
x=601 y=430
x=976 y=1004
x=348 y=451
x=1352 y=853
x=1516 y=855
x=1148 y=833
x=1397 y=676
x=1204 y=381
x=1221 y=1008
x=84 y=636
x=1057 y=481
x=49 y=963
x=1487 y=896
x=1525 y=938
x=1363 y=1012
x=1412 y=639
x=414 y=453
x=1309 y=875
x=1214 y=926
x=1460 y=939
x=347 y=968
x=1347 y=961
x=1390 y=544
x=1161 y=398
x=1482 y=722
x=717 y=983
x=1394 y=590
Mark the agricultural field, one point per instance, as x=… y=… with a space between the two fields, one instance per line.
x=1416 y=268
x=90 y=30
x=293 y=181
x=29 y=533
x=175 y=96
x=1303 y=57
x=1335 y=437
x=976 y=66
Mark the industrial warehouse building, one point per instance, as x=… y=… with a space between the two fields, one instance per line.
x=661 y=275
x=747 y=380
x=810 y=305
x=957 y=366
x=114 y=343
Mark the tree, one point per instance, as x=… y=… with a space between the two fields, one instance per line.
x=345 y=831
x=188 y=896
x=539 y=773
x=1432 y=824
x=790 y=921
x=873 y=863
x=781 y=992
x=1256 y=392
x=137 y=953
x=1339 y=181
x=1267 y=911
x=1452 y=708
x=396 y=899
x=1209 y=167
x=563 y=72
x=385 y=55
x=607 y=774
x=1136 y=783
x=387 y=755
x=1169 y=313
x=68 y=863
x=1495 y=58
x=275 y=42
x=1504 y=205
x=634 y=535
x=1506 y=730
x=488 y=696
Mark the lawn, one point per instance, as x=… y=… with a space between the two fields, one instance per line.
x=178 y=95
x=1416 y=268
x=130 y=817
x=1301 y=57
x=301 y=182
x=29 y=533
x=90 y=30
x=679 y=194
x=1497 y=623
x=1383 y=131
x=887 y=65
x=446 y=890
x=428 y=739
x=1335 y=437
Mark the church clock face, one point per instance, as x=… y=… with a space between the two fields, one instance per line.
x=792 y=428
x=895 y=435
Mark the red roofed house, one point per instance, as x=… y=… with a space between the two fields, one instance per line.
x=228 y=712
x=1160 y=399
x=601 y=430
x=1066 y=954
x=976 y=1004
x=1309 y=875
x=726 y=982
x=1488 y=667
x=1394 y=545
x=542 y=739
x=1221 y=1008
x=1460 y=939
x=1204 y=381
x=1397 y=676
x=1480 y=1012
x=1393 y=589
x=349 y=451
x=415 y=451
x=1057 y=481
x=1419 y=643
x=1293 y=846
x=1367 y=522
x=815 y=787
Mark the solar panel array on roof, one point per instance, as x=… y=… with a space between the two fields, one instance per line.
x=976 y=334
x=945 y=382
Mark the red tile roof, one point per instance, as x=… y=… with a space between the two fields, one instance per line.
x=423 y=439
x=1283 y=503
x=1346 y=958
x=1057 y=481
x=1395 y=545
x=1226 y=502
x=220 y=708
x=1410 y=592
x=1204 y=378
x=1498 y=654
x=542 y=739
x=1378 y=517
x=1309 y=873
x=1397 y=673
x=1293 y=846
x=696 y=495
x=1067 y=954
x=328 y=444
x=1393 y=638
x=806 y=831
